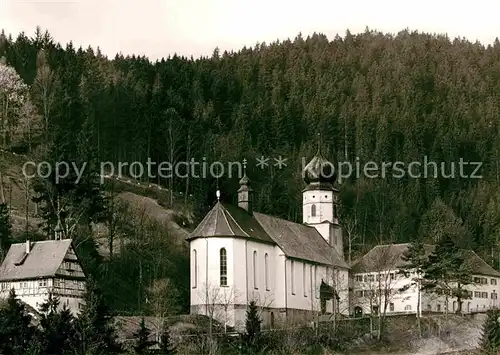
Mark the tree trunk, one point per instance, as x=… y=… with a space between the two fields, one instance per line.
x=2 y=191
x=27 y=196
x=418 y=310
x=350 y=249
x=188 y=158
x=459 y=298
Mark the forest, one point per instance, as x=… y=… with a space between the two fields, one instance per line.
x=372 y=96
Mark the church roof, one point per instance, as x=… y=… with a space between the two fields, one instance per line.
x=43 y=260
x=230 y=221
x=296 y=240
x=389 y=257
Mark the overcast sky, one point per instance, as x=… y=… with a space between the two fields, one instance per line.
x=158 y=28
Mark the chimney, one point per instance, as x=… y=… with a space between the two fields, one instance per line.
x=245 y=195
x=28 y=246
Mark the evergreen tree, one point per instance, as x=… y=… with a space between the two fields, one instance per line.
x=166 y=346
x=252 y=324
x=16 y=330
x=447 y=270
x=142 y=338
x=490 y=340
x=58 y=334
x=5 y=230
x=95 y=326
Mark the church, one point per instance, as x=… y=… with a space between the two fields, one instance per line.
x=294 y=272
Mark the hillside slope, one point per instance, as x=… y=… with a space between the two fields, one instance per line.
x=143 y=200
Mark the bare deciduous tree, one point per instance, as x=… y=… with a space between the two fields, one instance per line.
x=44 y=89
x=162 y=301
x=380 y=284
x=217 y=301
x=13 y=96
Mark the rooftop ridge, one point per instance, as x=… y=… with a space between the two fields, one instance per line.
x=44 y=241
x=241 y=228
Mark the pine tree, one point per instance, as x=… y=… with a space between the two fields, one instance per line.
x=252 y=324
x=490 y=341
x=142 y=338
x=94 y=325
x=58 y=334
x=447 y=269
x=5 y=230
x=16 y=330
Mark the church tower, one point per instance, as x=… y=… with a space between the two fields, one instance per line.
x=245 y=194
x=320 y=201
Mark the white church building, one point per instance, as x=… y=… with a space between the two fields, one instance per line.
x=294 y=272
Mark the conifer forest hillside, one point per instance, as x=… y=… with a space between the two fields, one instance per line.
x=373 y=97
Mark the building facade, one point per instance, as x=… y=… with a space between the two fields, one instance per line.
x=36 y=269
x=379 y=287
x=294 y=272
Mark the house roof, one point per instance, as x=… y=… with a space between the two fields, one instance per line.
x=43 y=260
x=389 y=256
x=296 y=240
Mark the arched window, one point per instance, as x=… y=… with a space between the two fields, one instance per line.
x=195 y=269
x=266 y=267
x=313 y=211
x=335 y=215
x=292 y=276
x=255 y=274
x=223 y=267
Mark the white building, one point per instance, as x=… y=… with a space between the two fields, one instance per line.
x=35 y=269
x=376 y=279
x=293 y=271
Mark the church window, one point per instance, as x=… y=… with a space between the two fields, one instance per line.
x=223 y=267
x=266 y=266
x=255 y=276
x=304 y=266
x=313 y=211
x=292 y=276
x=335 y=211
x=195 y=269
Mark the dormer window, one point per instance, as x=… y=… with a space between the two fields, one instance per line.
x=313 y=211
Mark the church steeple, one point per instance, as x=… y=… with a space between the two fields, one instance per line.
x=320 y=199
x=319 y=170
x=245 y=193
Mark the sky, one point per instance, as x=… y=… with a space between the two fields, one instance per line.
x=159 y=28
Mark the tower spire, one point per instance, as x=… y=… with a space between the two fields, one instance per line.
x=319 y=143
x=217 y=193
